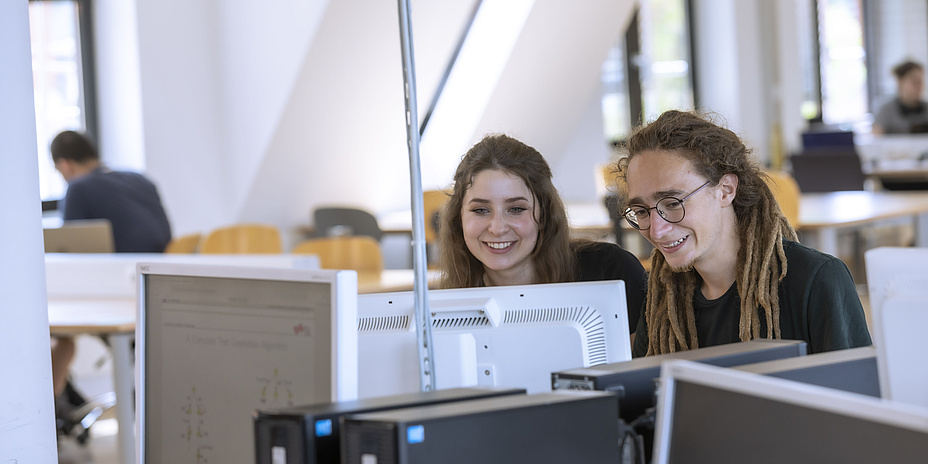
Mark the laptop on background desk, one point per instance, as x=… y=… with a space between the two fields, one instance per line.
x=83 y=236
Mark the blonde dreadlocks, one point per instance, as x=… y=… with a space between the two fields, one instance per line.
x=715 y=151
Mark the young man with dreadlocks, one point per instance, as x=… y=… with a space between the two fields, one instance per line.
x=726 y=265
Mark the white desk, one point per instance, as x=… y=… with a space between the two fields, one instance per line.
x=113 y=318
x=823 y=215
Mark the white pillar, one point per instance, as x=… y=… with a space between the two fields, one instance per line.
x=27 y=414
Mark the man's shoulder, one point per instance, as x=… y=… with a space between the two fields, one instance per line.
x=804 y=259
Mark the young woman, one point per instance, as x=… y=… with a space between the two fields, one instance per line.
x=505 y=224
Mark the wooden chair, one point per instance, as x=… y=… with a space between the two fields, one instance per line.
x=358 y=252
x=786 y=191
x=331 y=221
x=432 y=203
x=184 y=244
x=244 y=239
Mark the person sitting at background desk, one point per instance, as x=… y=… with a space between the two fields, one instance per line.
x=505 y=224
x=127 y=199
x=726 y=265
x=907 y=113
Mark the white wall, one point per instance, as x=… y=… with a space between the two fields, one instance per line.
x=261 y=111
x=733 y=79
x=27 y=413
x=119 y=98
x=257 y=111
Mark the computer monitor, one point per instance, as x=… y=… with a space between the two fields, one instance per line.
x=215 y=343
x=83 y=236
x=853 y=370
x=634 y=381
x=718 y=415
x=898 y=285
x=510 y=336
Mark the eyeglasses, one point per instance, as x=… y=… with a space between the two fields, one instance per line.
x=670 y=208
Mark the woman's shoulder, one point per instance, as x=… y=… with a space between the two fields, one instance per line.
x=593 y=253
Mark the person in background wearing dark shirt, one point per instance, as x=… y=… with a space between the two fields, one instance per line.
x=907 y=113
x=505 y=224
x=127 y=199
x=726 y=265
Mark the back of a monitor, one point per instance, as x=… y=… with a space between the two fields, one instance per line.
x=512 y=336
x=84 y=236
x=898 y=286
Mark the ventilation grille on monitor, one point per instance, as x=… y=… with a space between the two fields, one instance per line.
x=459 y=321
x=907 y=285
x=590 y=320
x=383 y=323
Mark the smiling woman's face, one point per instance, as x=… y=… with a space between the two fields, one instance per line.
x=500 y=230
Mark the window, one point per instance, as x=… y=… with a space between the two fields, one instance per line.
x=62 y=79
x=842 y=59
x=650 y=71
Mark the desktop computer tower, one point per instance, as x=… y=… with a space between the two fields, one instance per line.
x=635 y=381
x=310 y=434
x=543 y=428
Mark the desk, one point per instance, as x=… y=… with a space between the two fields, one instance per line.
x=823 y=215
x=114 y=319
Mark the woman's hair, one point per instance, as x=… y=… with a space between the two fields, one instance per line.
x=901 y=69
x=714 y=151
x=552 y=256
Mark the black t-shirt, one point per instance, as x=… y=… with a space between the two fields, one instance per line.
x=608 y=261
x=818 y=304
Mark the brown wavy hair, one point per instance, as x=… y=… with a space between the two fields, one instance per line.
x=714 y=151
x=553 y=259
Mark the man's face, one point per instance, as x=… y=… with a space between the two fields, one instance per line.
x=66 y=168
x=654 y=175
x=911 y=86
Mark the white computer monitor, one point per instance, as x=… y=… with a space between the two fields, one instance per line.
x=512 y=336
x=898 y=285
x=719 y=415
x=216 y=343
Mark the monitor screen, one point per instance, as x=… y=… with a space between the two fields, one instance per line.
x=215 y=343
x=719 y=415
x=512 y=336
x=898 y=286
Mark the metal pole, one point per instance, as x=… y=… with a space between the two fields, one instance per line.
x=420 y=266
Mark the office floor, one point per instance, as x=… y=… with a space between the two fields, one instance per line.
x=101 y=448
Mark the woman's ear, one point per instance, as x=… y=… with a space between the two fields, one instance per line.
x=727 y=188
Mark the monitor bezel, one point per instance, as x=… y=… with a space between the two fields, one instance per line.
x=776 y=389
x=343 y=286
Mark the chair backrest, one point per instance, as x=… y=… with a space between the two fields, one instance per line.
x=432 y=203
x=243 y=238
x=828 y=171
x=332 y=221
x=358 y=252
x=184 y=244
x=786 y=191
